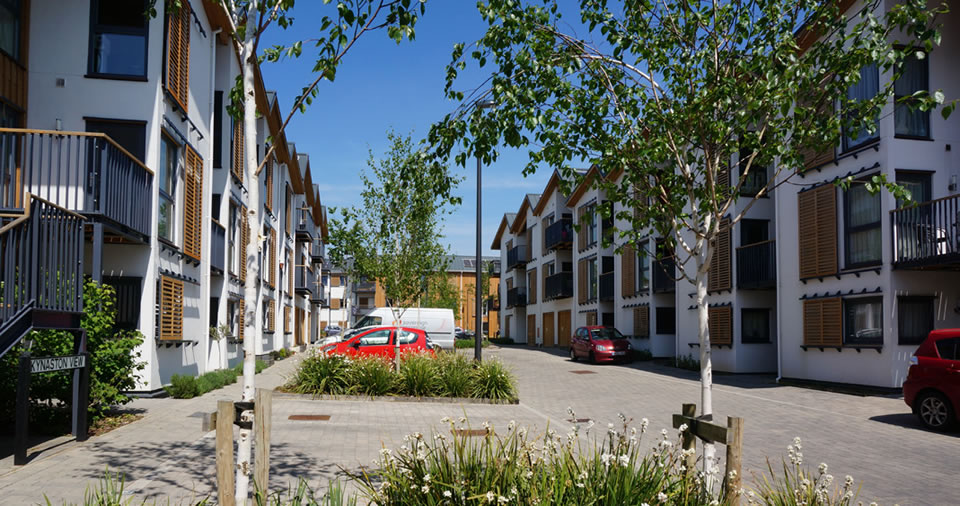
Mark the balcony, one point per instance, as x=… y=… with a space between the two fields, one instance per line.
x=493 y=304
x=558 y=286
x=517 y=257
x=305 y=226
x=87 y=173
x=218 y=246
x=365 y=287
x=757 y=266
x=559 y=235
x=318 y=296
x=606 y=286
x=304 y=280
x=317 y=252
x=927 y=235
x=664 y=271
x=517 y=297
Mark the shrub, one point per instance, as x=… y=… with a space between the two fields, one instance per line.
x=502 y=340
x=642 y=355
x=455 y=374
x=799 y=486
x=492 y=380
x=372 y=376
x=418 y=375
x=322 y=374
x=469 y=344
x=688 y=362
x=183 y=386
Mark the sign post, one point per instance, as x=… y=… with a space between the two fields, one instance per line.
x=23 y=411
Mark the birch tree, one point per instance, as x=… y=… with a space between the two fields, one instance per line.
x=675 y=94
x=338 y=32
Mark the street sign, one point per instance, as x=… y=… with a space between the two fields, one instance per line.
x=51 y=364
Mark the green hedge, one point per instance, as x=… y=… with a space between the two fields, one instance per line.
x=461 y=344
x=186 y=387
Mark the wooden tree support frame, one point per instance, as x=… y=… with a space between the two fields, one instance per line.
x=225 y=419
x=730 y=436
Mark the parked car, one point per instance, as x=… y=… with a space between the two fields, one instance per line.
x=380 y=341
x=600 y=344
x=932 y=387
x=437 y=322
x=333 y=330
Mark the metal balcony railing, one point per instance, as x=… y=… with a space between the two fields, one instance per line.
x=365 y=286
x=606 y=286
x=559 y=235
x=305 y=226
x=317 y=252
x=84 y=172
x=218 y=246
x=517 y=257
x=303 y=280
x=927 y=235
x=517 y=297
x=664 y=271
x=757 y=265
x=558 y=286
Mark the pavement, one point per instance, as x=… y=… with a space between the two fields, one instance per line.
x=166 y=455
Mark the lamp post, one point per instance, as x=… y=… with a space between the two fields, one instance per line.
x=478 y=333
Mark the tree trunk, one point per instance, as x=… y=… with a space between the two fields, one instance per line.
x=250 y=299
x=706 y=364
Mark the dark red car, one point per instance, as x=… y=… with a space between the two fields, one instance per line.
x=380 y=341
x=932 y=388
x=600 y=344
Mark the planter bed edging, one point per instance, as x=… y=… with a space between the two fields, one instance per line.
x=395 y=398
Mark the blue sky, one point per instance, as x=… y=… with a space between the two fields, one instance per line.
x=381 y=85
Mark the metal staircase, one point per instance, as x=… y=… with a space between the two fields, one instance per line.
x=41 y=271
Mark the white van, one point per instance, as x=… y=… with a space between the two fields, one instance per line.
x=436 y=322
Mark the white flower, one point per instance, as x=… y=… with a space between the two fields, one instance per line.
x=528 y=475
x=511 y=425
x=447 y=493
x=822 y=468
x=662 y=497
x=609 y=426
x=683 y=427
x=663 y=432
x=606 y=458
x=624 y=460
x=514 y=491
x=502 y=500
x=491 y=497
x=580 y=484
x=426 y=478
x=425 y=489
x=848 y=481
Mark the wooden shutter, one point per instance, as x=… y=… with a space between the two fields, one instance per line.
x=286 y=319
x=823 y=322
x=817 y=229
x=292 y=273
x=591 y=318
x=334 y=303
x=238 y=161
x=582 y=232
x=272 y=277
x=269 y=169
x=721 y=277
x=529 y=252
x=723 y=179
x=241 y=320
x=178 y=55
x=171 y=309
x=532 y=286
x=192 y=208
x=721 y=325
x=334 y=280
x=582 y=281
x=641 y=321
x=628 y=260
x=244 y=241
x=272 y=315
x=811 y=157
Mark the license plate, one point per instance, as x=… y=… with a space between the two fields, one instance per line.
x=618 y=353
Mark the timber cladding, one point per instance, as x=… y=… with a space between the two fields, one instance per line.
x=628 y=260
x=171 y=309
x=192 y=209
x=817 y=230
x=641 y=321
x=177 y=79
x=721 y=325
x=823 y=322
x=532 y=330
x=532 y=286
x=721 y=271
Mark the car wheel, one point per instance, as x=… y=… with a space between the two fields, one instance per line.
x=935 y=411
x=573 y=355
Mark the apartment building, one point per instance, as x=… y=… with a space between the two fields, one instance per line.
x=815 y=283
x=462 y=274
x=339 y=299
x=118 y=127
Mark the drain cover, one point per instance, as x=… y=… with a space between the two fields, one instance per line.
x=583 y=372
x=470 y=432
x=309 y=418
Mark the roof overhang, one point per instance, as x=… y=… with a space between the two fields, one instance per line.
x=585 y=184
x=504 y=225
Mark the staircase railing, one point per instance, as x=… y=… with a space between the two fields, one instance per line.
x=42 y=260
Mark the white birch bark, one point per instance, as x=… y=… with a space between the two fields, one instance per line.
x=250 y=299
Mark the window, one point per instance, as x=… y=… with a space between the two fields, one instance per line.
x=129 y=134
x=9 y=117
x=177 y=76
x=919 y=185
x=949 y=349
x=755 y=325
x=909 y=122
x=591 y=216
x=756 y=179
x=914 y=319
x=865 y=89
x=169 y=163
x=376 y=338
x=407 y=337
x=753 y=231
x=118 y=39
x=643 y=267
x=863 y=240
x=218 y=129
x=232 y=257
x=863 y=321
x=592 y=281
x=10 y=28
x=549 y=269
x=666 y=320
x=233 y=310
x=546 y=224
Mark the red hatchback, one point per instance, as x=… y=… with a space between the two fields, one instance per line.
x=600 y=344
x=380 y=341
x=932 y=388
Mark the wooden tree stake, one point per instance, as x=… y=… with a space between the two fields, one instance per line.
x=261 y=433
x=689 y=439
x=734 y=459
x=225 y=465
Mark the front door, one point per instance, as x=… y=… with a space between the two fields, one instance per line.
x=548 y=329
x=532 y=330
x=563 y=329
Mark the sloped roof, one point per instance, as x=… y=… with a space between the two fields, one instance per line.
x=504 y=225
x=467 y=263
x=529 y=202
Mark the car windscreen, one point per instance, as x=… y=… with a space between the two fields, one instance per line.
x=369 y=321
x=604 y=334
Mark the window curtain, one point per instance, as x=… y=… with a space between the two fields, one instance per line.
x=911 y=122
x=10 y=28
x=914 y=320
x=865 y=89
x=864 y=241
x=755 y=326
x=864 y=323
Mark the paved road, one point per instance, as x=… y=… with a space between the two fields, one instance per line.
x=165 y=454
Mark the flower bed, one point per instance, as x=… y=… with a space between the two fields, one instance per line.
x=420 y=375
x=186 y=387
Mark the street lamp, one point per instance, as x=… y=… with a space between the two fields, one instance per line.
x=478 y=334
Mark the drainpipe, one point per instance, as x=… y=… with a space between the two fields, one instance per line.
x=776 y=252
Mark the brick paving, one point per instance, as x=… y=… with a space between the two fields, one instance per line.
x=166 y=454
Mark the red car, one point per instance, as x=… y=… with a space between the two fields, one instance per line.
x=932 y=388
x=380 y=341
x=600 y=344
